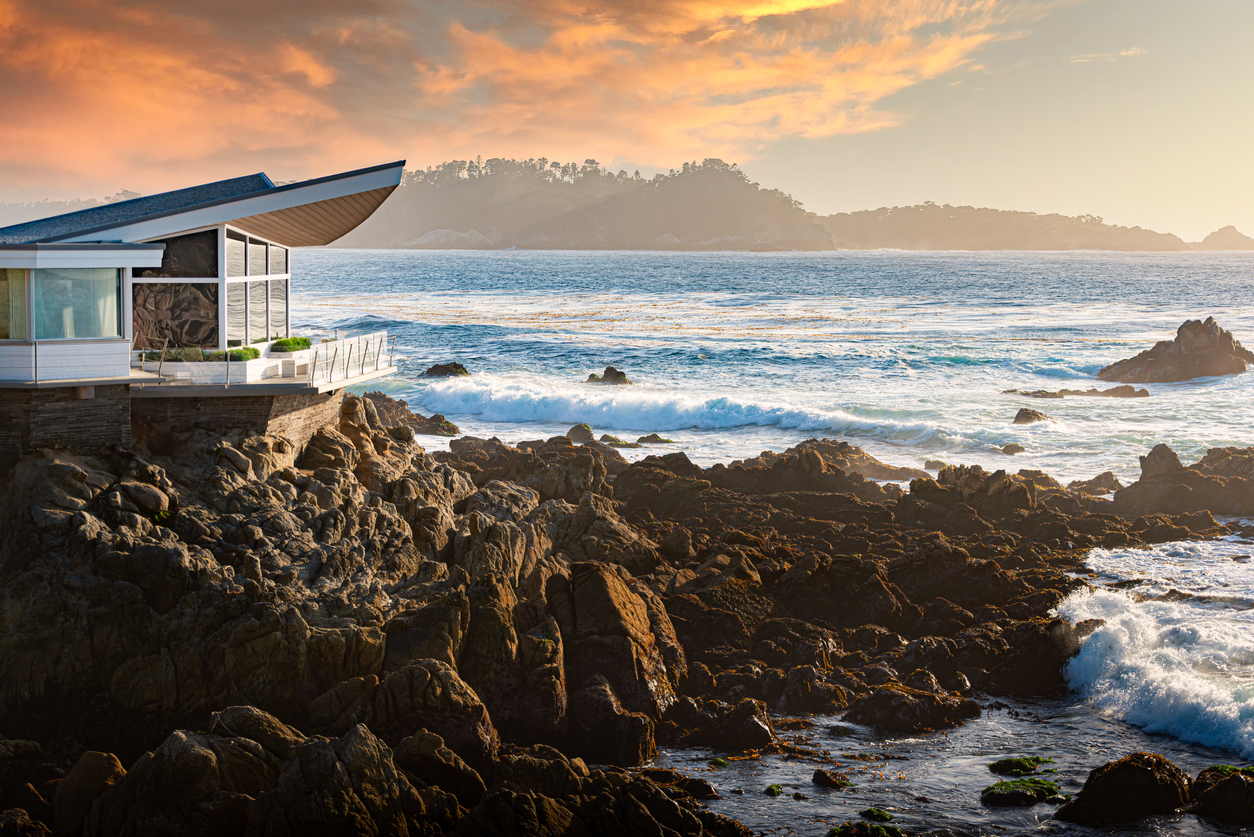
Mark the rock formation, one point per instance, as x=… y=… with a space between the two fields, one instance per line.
x=1201 y=349
x=240 y=637
x=609 y=376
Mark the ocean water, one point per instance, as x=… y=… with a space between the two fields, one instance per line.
x=906 y=355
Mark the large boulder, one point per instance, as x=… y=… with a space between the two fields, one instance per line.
x=1225 y=793
x=1134 y=787
x=1200 y=349
x=427 y=694
x=349 y=787
x=897 y=708
x=92 y=775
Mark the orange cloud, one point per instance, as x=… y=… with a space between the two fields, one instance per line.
x=153 y=95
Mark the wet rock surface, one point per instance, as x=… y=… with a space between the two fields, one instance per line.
x=240 y=637
x=1200 y=349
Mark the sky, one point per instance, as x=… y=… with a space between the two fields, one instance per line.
x=1140 y=111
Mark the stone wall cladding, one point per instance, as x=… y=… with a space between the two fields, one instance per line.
x=53 y=418
x=295 y=417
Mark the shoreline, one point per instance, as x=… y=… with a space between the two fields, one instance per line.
x=562 y=596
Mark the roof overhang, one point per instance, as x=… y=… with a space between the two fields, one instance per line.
x=311 y=213
x=92 y=254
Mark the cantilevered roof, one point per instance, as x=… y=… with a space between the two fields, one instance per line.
x=303 y=214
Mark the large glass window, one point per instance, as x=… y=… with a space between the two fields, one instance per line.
x=12 y=304
x=184 y=313
x=76 y=303
x=258 y=319
x=257 y=258
x=237 y=313
x=278 y=260
x=234 y=253
x=278 y=308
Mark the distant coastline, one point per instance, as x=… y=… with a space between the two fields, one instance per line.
x=536 y=204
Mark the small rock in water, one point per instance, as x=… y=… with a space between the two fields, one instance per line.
x=1134 y=787
x=935 y=465
x=609 y=376
x=1026 y=416
x=1021 y=793
x=446 y=370
x=1012 y=448
x=830 y=779
x=580 y=434
x=1020 y=766
x=615 y=442
x=1225 y=793
x=654 y=439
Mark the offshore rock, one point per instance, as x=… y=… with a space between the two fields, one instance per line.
x=1026 y=416
x=446 y=370
x=610 y=376
x=1134 y=787
x=1200 y=349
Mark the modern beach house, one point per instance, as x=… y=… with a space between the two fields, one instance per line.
x=174 y=309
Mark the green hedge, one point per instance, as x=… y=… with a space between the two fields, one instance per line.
x=291 y=344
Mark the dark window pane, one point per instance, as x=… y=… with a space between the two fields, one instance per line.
x=184 y=312
x=237 y=313
x=278 y=307
x=278 y=259
x=256 y=258
x=258 y=319
x=185 y=257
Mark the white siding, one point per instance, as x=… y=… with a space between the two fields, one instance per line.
x=17 y=361
x=76 y=359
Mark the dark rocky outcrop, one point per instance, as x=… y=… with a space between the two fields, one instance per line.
x=240 y=636
x=446 y=370
x=1225 y=793
x=393 y=412
x=1200 y=349
x=1026 y=416
x=609 y=376
x=1134 y=787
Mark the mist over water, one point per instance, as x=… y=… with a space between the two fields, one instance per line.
x=904 y=354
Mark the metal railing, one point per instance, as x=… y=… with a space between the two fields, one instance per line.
x=361 y=355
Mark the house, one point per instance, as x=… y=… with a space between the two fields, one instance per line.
x=166 y=310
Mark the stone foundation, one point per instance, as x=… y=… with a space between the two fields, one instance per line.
x=295 y=417
x=70 y=418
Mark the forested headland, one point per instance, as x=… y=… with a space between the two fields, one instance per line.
x=540 y=204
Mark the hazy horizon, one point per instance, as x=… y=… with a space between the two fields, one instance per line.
x=1132 y=111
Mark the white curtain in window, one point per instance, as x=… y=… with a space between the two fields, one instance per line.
x=12 y=304
x=76 y=303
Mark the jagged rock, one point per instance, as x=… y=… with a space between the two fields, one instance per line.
x=745 y=727
x=1103 y=483
x=445 y=370
x=506 y=812
x=1224 y=793
x=610 y=376
x=898 y=708
x=424 y=756
x=1026 y=416
x=15 y=822
x=92 y=775
x=427 y=694
x=1166 y=486
x=192 y=783
x=1200 y=349
x=394 y=412
x=1131 y=788
x=348 y=786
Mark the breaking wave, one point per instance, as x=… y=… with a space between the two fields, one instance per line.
x=1184 y=668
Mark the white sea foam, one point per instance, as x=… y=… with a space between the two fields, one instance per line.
x=1184 y=668
x=505 y=400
